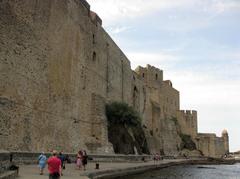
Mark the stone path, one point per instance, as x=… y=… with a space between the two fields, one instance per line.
x=31 y=171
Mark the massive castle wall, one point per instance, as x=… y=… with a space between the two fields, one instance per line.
x=58 y=70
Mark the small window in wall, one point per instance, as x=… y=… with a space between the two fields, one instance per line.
x=93 y=39
x=94 y=56
x=143 y=75
x=156 y=76
x=134 y=78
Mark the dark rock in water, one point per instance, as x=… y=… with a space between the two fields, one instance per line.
x=207 y=167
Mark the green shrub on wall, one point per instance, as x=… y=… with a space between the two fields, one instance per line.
x=125 y=130
x=122 y=113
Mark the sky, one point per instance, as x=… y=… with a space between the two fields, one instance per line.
x=195 y=42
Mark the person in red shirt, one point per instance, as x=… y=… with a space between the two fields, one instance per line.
x=54 y=166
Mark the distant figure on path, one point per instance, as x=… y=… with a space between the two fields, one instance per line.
x=42 y=162
x=54 y=166
x=84 y=159
x=157 y=157
x=67 y=159
x=79 y=159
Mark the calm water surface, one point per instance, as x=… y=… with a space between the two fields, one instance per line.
x=192 y=171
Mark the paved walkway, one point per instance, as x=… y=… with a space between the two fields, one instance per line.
x=31 y=171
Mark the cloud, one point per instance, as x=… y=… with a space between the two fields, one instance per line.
x=235 y=56
x=205 y=88
x=118 y=29
x=155 y=59
x=221 y=6
x=113 y=11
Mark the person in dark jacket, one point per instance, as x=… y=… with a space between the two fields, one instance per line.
x=84 y=159
x=62 y=158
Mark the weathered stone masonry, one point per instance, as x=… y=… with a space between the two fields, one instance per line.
x=59 y=68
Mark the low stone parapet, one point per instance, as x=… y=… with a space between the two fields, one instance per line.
x=4 y=161
x=120 y=158
x=32 y=158
x=9 y=175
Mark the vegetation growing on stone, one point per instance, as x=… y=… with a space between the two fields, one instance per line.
x=122 y=113
x=187 y=142
x=125 y=130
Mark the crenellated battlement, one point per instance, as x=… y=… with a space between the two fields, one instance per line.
x=187 y=119
x=186 y=113
x=150 y=74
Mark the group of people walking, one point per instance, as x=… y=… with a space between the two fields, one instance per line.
x=81 y=159
x=56 y=163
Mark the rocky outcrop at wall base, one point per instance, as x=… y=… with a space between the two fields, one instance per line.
x=127 y=139
x=187 y=142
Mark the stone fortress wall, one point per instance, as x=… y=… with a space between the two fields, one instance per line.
x=161 y=102
x=59 y=68
x=188 y=122
x=211 y=145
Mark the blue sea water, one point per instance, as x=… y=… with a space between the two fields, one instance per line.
x=192 y=172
